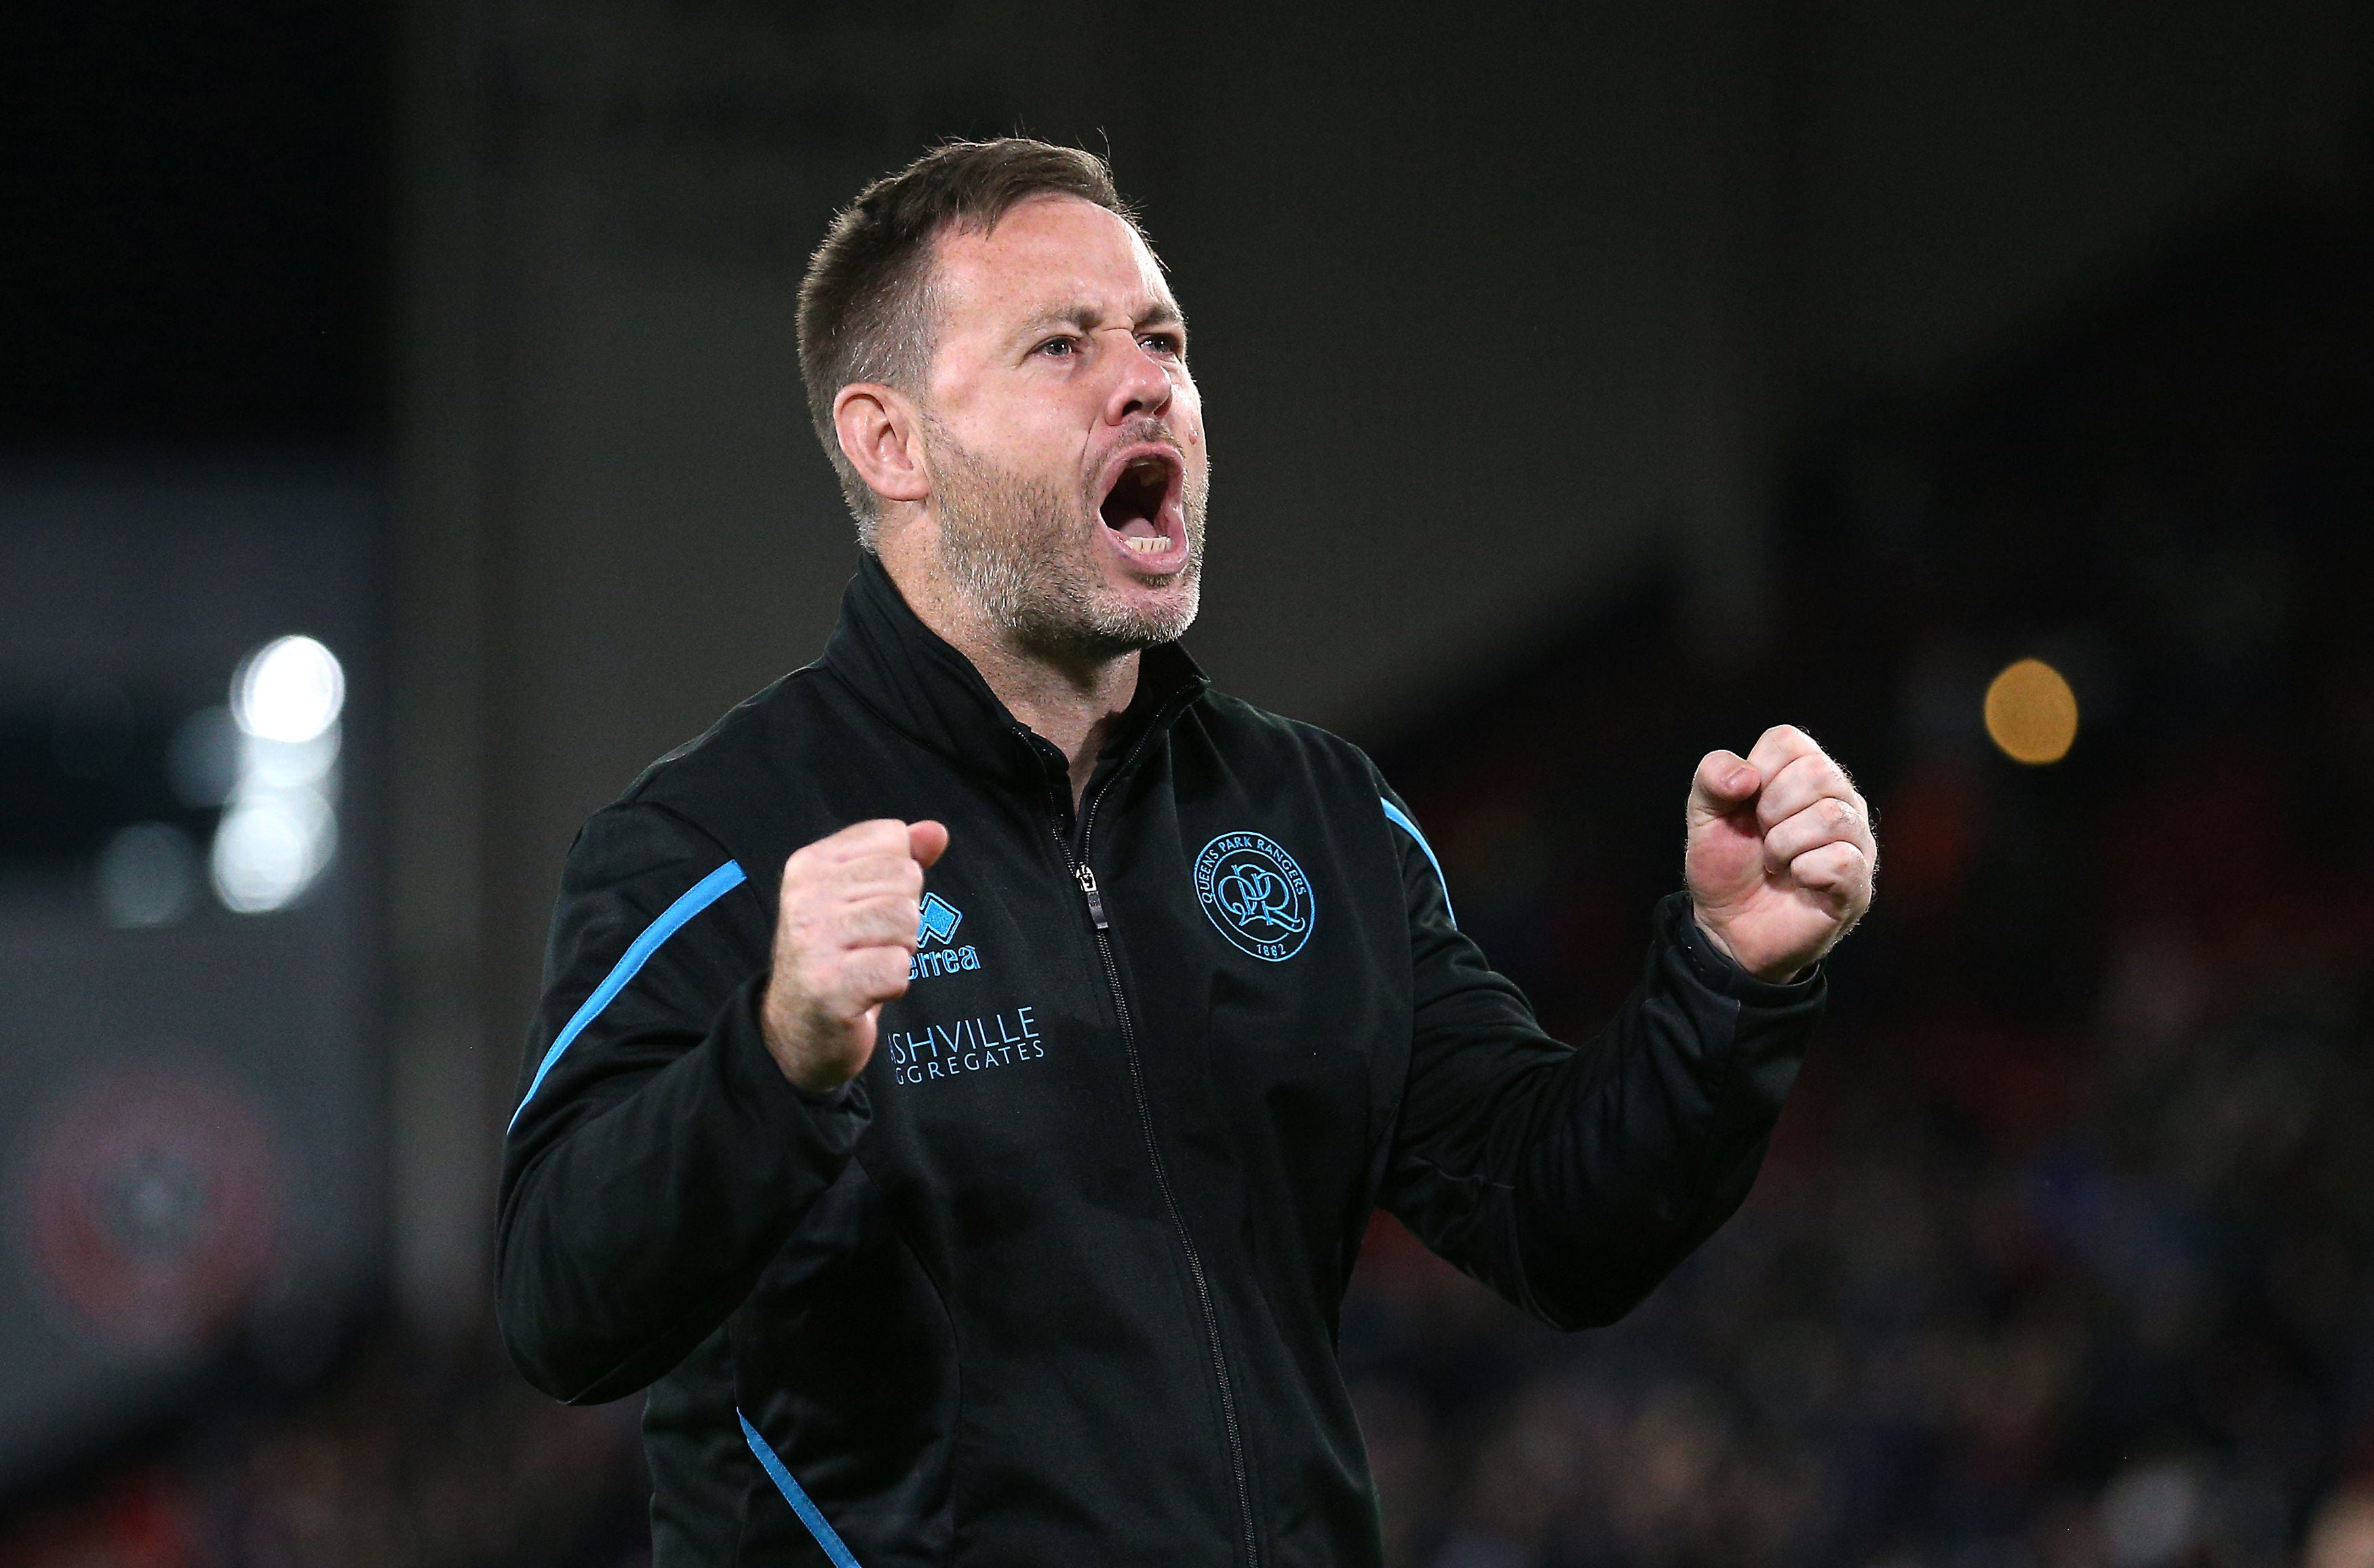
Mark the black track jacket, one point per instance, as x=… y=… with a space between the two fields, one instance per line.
x=1055 y=1281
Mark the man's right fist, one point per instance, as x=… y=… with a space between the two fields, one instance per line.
x=844 y=934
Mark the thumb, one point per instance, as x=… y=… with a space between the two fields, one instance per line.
x=928 y=841
x=1723 y=783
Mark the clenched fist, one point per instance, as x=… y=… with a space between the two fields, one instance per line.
x=1780 y=853
x=844 y=932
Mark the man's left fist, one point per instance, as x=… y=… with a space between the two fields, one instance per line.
x=1780 y=853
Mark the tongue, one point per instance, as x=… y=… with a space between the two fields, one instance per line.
x=1135 y=528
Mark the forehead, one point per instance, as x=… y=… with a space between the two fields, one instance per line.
x=1049 y=253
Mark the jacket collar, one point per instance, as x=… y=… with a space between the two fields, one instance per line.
x=924 y=688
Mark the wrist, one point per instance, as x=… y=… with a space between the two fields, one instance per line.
x=803 y=1074
x=792 y=1046
x=1772 y=975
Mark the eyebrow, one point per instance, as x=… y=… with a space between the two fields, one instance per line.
x=1164 y=314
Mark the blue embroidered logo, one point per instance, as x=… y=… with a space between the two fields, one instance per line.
x=938 y=926
x=940 y=921
x=1254 y=894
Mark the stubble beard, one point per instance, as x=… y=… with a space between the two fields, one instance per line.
x=1022 y=549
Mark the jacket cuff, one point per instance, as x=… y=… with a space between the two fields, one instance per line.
x=1719 y=972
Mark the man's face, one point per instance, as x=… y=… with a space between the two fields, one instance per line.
x=1064 y=434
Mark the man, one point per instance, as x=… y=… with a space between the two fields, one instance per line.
x=965 y=1074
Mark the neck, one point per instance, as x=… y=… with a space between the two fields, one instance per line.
x=1070 y=698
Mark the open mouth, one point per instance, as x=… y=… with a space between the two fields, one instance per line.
x=1141 y=507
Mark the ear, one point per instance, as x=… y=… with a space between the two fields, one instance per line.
x=882 y=435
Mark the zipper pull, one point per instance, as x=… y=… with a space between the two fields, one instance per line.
x=1088 y=886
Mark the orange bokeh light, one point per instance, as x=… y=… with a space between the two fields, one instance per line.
x=2031 y=712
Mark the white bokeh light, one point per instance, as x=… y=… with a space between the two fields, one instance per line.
x=289 y=690
x=268 y=851
x=280 y=826
x=286 y=765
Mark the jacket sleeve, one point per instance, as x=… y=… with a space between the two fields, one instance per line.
x=658 y=1158
x=1572 y=1181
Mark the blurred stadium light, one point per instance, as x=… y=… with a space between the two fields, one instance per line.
x=2031 y=714
x=190 y=1109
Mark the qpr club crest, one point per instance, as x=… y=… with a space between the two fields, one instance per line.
x=1254 y=894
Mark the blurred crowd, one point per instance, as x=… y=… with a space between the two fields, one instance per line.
x=2064 y=1254
x=2073 y=1301
x=412 y=1456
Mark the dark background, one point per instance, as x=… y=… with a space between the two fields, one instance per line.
x=197 y=250
x=1589 y=387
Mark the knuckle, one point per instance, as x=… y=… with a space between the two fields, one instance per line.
x=871 y=834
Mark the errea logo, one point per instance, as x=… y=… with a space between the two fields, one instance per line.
x=934 y=938
x=939 y=923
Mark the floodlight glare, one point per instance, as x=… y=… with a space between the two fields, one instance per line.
x=290 y=690
x=268 y=852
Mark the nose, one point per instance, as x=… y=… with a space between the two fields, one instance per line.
x=1141 y=387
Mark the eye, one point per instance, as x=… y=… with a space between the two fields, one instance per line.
x=1162 y=343
x=1059 y=347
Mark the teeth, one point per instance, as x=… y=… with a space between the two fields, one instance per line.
x=1154 y=546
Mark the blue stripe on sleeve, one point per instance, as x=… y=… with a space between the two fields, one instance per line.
x=802 y=1505
x=1401 y=818
x=704 y=892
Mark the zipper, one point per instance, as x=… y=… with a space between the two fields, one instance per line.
x=1096 y=905
x=1086 y=875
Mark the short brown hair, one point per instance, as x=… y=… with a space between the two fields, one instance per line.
x=866 y=302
